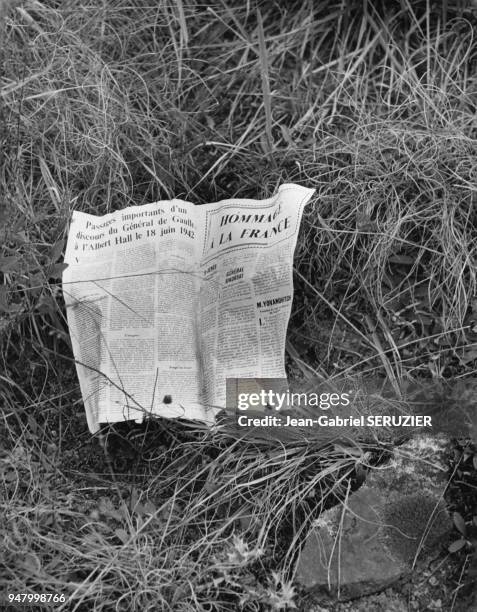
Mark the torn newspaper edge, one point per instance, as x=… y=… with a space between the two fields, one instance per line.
x=166 y=300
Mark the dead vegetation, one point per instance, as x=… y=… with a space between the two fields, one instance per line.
x=105 y=105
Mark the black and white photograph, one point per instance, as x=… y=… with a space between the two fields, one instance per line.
x=238 y=306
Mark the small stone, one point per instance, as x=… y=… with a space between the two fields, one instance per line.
x=396 y=517
x=348 y=558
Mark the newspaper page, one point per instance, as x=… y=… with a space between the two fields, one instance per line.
x=166 y=300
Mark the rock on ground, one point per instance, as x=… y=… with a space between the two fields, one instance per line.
x=376 y=536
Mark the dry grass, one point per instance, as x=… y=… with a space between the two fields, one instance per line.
x=104 y=105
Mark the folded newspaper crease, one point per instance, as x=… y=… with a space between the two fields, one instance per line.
x=166 y=300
